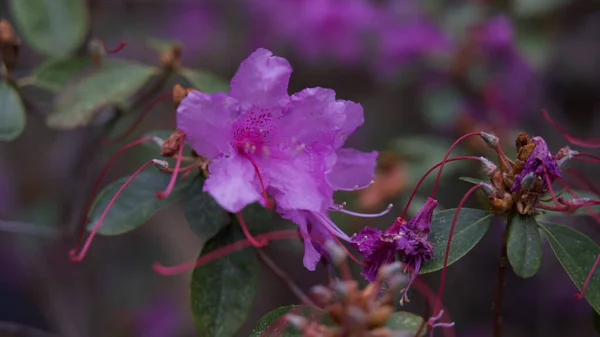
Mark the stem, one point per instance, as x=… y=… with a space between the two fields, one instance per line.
x=283 y=277
x=497 y=305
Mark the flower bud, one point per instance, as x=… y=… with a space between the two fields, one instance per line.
x=337 y=254
x=528 y=182
x=161 y=164
x=488 y=190
x=490 y=139
x=489 y=168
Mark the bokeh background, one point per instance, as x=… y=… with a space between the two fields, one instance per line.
x=425 y=72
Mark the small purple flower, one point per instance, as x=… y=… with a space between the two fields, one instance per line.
x=408 y=240
x=262 y=141
x=540 y=163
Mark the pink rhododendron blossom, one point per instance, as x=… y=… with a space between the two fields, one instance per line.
x=262 y=141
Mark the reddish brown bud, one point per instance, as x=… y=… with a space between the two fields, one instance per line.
x=179 y=94
x=172 y=144
x=171 y=58
x=9 y=46
x=525 y=151
x=522 y=140
x=379 y=316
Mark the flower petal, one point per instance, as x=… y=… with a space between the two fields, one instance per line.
x=232 y=183
x=261 y=80
x=352 y=169
x=312 y=248
x=354 y=118
x=207 y=121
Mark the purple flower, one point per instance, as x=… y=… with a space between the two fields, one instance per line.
x=315 y=28
x=262 y=141
x=540 y=163
x=408 y=240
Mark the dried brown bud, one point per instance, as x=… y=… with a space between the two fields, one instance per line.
x=172 y=144
x=525 y=151
x=379 y=316
x=171 y=58
x=9 y=46
x=522 y=140
x=179 y=94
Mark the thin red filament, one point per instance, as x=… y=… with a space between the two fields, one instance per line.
x=430 y=296
x=587 y=160
x=256 y=243
x=446 y=254
x=147 y=109
x=97 y=186
x=589 y=143
x=223 y=251
x=414 y=192
x=584 y=181
x=88 y=242
x=587 y=280
x=352 y=257
x=268 y=204
x=164 y=194
x=587 y=209
x=117 y=49
x=437 y=179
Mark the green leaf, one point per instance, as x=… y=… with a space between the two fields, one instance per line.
x=258 y=219
x=577 y=254
x=136 y=204
x=222 y=291
x=110 y=84
x=204 y=216
x=524 y=246
x=205 y=82
x=404 y=321
x=12 y=113
x=274 y=323
x=470 y=180
x=528 y=8
x=54 y=75
x=53 y=28
x=471 y=226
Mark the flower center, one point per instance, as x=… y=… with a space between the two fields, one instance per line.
x=251 y=131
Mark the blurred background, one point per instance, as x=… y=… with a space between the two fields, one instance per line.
x=425 y=71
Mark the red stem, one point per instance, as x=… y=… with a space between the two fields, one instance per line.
x=587 y=280
x=254 y=242
x=223 y=251
x=590 y=143
x=437 y=179
x=120 y=47
x=443 y=279
x=97 y=186
x=163 y=194
x=88 y=242
x=414 y=192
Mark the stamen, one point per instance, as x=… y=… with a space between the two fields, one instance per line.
x=357 y=187
x=587 y=280
x=446 y=254
x=268 y=204
x=164 y=194
x=223 y=251
x=331 y=227
x=97 y=186
x=362 y=215
x=593 y=143
x=147 y=109
x=120 y=47
x=254 y=242
x=337 y=207
x=414 y=192
x=352 y=257
x=88 y=242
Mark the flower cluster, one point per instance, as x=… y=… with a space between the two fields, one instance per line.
x=260 y=141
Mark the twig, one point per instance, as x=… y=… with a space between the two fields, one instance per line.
x=284 y=277
x=497 y=306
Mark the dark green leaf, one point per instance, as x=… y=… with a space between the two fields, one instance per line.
x=528 y=8
x=470 y=180
x=109 y=84
x=524 y=246
x=577 y=254
x=53 y=28
x=204 y=216
x=274 y=323
x=12 y=113
x=136 y=204
x=222 y=291
x=257 y=218
x=471 y=226
x=403 y=321
x=53 y=75
x=205 y=82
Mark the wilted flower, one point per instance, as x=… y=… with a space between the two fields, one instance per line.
x=408 y=240
x=539 y=163
x=261 y=141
